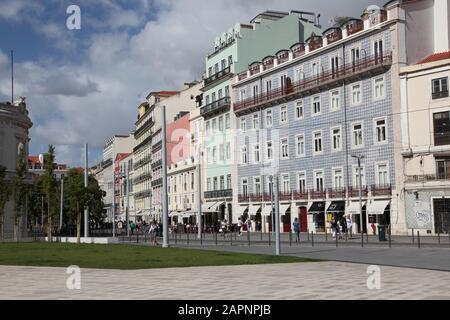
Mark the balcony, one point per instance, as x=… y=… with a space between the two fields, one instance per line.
x=142 y=177
x=243 y=198
x=336 y=193
x=157 y=182
x=217 y=76
x=228 y=193
x=300 y=195
x=143 y=143
x=427 y=177
x=318 y=194
x=267 y=196
x=285 y=196
x=440 y=94
x=156 y=164
x=353 y=192
x=216 y=107
x=147 y=125
x=366 y=67
x=255 y=197
x=142 y=162
x=383 y=190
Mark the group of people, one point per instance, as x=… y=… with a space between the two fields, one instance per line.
x=339 y=226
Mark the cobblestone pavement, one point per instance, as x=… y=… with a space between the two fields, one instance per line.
x=296 y=281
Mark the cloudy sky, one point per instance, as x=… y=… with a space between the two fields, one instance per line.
x=85 y=85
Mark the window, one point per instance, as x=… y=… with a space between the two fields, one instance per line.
x=192 y=182
x=285 y=183
x=315 y=69
x=301 y=178
x=316 y=105
x=255 y=91
x=356 y=94
x=243 y=124
x=380 y=131
x=208 y=155
x=221 y=153
x=214 y=125
x=213 y=97
x=209 y=71
x=215 y=184
x=382 y=178
x=317 y=142
x=357 y=136
x=242 y=95
x=224 y=64
x=227 y=91
x=441 y=123
x=244 y=155
x=229 y=181
x=227 y=121
x=214 y=154
x=268 y=88
x=228 y=151
x=318 y=180
x=256 y=154
x=338 y=178
x=300 y=146
x=269 y=119
x=336 y=139
x=256 y=121
x=439 y=88
x=283 y=114
x=244 y=187
x=334 y=64
x=443 y=168
x=269 y=151
x=208 y=127
x=283 y=82
x=299 y=75
x=220 y=94
x=379 y=88
x=270 y=185
x=299 y=110
x=230 y=60
x=378 y=51
x=220 y=123
x=354 y=56
x=208 y=184
x=356 y=175
x=216 y=68
x=335 y=100
x=222 y=183
x=284 y=148
x=257 y=185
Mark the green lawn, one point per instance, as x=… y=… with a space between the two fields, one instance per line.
x=125 y=256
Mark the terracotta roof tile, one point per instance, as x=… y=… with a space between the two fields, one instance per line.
x=436 y=57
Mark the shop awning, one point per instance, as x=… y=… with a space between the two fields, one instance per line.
x=377 y=206
x=353 y=207
x=241 y=210
x=284 y=208
x=266 y=210
x=336 y=206
x=174 y=213
x=209 y=207
x=317 y=207
x=253 y=210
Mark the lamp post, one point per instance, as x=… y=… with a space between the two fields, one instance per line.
x=359 y=157
x=62 y=203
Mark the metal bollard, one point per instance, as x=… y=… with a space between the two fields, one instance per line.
x=418 y=239
x=176 y=237
x=326 y=235
x=231 y=238
x=248 y=237
x=137 y=237
x=188 y=238
x=439 y=237
x=412 y=232
x=290 y=238
x=261 y=234
x=312 y=238
x=271 y=232
x=367 y=237
x=216 y=237
x=336 y=240
x=307 y=232
x=201 y=238
x=389 y=233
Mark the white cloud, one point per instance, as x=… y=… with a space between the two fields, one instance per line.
x=73 y=103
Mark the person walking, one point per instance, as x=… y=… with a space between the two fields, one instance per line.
x=153 y=233
x=349 y=225
x=296 y=226
x=239 y=226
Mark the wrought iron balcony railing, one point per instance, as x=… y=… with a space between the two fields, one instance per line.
x=216 y=106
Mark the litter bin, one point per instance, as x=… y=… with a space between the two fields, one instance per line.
x=382 y=233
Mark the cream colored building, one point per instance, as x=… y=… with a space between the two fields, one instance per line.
x=426 y=143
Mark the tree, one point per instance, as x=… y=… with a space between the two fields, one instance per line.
x=49 y=184
x=5 y=192
x=20 y=189
x=77 y=197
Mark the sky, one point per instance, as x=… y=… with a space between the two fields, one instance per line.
x=83 y=86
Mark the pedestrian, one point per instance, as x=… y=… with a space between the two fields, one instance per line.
x=296 y=226
x=343 y=224
x=153 y=233
x=239 y=226
x=349 y=225
x=132 y=227
x=119 y=227
x=249 y=225
x=374 y=229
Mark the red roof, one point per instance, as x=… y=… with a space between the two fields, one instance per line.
x=436 y=57
x=121 y=156
x=33 y=159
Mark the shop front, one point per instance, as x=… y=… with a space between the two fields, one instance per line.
x=316 y=214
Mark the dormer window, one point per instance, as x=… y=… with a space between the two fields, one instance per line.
x=283 y=56
x=354 y=26
x=254 y=68
x=315 y=42
x=298 y=50
x=268 y=63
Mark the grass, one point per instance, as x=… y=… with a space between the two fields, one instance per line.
x=125 y=257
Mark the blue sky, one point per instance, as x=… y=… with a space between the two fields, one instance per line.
x=85 y=85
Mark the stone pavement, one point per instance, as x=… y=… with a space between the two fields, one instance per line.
x=315 y=280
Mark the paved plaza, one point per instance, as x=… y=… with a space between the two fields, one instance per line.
x=316 y=280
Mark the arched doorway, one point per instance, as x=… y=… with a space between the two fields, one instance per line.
x=287 y=221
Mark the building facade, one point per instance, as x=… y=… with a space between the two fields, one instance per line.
x=234 y=50
x=14 y=136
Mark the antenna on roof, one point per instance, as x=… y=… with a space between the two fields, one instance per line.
x=318 y=19
x=12 y=77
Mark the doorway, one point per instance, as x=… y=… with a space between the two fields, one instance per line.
x=303 y=218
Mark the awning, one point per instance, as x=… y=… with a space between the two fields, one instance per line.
x=317 y=207
x=353 y=207
x=208 y=207
x=216 y=206
x=266 y=210
x=336 y=206
x=253 y=210
x=174 y=213
x=377 y=206
x=241 y=210
x=284 y=208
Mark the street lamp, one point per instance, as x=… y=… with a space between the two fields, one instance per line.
x=359 y=157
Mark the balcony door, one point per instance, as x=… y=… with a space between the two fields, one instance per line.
x=355 y=58
x=378 y=51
